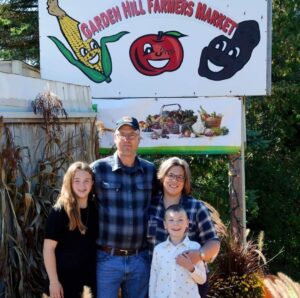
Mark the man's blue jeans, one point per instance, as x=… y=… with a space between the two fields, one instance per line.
x=130 y=273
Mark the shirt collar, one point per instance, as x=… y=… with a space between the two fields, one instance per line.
x=184 y=243
x=117 y=164
x=161 y=199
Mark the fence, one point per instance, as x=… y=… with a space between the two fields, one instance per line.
x=35 y=151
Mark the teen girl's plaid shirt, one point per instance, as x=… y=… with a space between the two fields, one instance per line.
x=123 y=198
x=201 y=227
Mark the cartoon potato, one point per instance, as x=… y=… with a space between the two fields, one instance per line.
x=224 y=57
x=93 y=60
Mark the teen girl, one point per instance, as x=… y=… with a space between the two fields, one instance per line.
x=71 y=230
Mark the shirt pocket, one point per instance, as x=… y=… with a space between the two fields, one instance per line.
x=110 y=190
x=111 y=185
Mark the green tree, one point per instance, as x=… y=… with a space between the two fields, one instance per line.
x=19 y=31
x=273 y=155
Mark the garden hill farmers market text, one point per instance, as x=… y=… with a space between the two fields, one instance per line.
x=130 y=9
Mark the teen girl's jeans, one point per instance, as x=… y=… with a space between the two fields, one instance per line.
x=130 y=273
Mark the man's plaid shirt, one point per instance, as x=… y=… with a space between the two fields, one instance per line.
x=201 y=227
x=123 y=198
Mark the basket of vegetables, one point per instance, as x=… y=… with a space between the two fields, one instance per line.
x=212 y=120
x=171 y=120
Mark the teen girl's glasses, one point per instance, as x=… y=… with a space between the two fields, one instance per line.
x=178 y=178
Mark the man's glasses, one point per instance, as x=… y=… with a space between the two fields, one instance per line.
x=129 y=137
x=179 y=178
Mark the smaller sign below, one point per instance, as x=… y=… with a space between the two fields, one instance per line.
x=176 y=125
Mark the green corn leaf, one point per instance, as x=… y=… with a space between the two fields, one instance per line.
x=92 y=74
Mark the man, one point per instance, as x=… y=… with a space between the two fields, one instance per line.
x=124 y=184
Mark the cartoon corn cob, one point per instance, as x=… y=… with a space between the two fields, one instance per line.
x=93 y=60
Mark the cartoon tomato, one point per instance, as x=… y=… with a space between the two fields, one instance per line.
x=154 y=54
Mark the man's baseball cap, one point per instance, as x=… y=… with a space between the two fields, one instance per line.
x=127 y=120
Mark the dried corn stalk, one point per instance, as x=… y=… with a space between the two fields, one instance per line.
x=50 y=106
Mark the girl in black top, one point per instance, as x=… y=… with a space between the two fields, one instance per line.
x=71 y=230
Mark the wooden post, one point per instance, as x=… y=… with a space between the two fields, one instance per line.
x=237 y=188
x=237 y=198
x=1 y=130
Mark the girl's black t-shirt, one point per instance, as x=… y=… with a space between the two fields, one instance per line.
x=75 y=252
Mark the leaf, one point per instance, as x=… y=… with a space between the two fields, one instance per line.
x=176 y=34
x=92 y=74
x=106 y=59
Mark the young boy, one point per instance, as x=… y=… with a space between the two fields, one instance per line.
x=172 y=272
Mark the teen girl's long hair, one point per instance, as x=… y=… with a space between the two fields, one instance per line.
x=67 y=198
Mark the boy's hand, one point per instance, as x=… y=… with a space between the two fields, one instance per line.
x=184 y=261
x=193 y=255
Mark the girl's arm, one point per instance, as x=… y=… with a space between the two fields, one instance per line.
x=209 y=252
x=55 y=288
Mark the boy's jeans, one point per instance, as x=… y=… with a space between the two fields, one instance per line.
x=131 y=273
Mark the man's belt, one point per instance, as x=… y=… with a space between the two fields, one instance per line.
x=118 y=251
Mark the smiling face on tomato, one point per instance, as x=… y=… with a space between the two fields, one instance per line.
x=154 y=54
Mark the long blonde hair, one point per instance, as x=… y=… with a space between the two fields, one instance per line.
x=67 y=198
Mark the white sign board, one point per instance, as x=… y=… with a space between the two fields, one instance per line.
x=157 y=48
x=177 y=125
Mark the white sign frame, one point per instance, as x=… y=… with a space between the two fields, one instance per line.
x=126 y=80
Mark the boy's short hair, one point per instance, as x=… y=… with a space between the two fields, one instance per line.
x=175 y=208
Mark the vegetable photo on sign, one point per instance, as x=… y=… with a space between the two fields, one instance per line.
x=197 y=126
x=212 y=124
x=182 y=123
